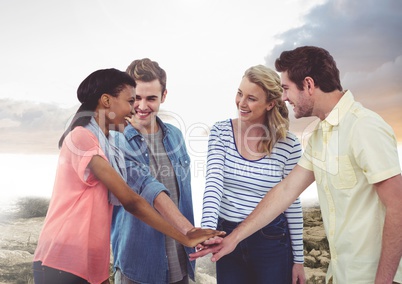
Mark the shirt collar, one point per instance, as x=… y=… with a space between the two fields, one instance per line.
x=130 y=132
x=340 y=109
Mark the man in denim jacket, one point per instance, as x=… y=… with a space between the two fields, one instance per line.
x=158 y=168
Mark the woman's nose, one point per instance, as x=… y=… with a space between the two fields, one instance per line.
x=243 y=101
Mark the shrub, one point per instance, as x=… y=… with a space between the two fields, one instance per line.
x=30 y=207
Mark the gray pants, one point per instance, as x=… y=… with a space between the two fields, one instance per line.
x=120 y=278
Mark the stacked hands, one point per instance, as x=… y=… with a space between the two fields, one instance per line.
x=220 y=247
x=215 y=245
x=203 y=239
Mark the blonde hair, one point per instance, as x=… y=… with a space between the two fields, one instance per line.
x=277 y=119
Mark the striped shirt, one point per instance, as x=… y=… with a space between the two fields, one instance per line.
x=235 y=185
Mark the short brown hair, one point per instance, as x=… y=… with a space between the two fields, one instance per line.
x=310 y=61
x=147 y=70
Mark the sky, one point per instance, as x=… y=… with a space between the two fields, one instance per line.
x=48 y=47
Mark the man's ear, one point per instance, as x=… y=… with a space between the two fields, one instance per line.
x=309 y=83
x=164 y=96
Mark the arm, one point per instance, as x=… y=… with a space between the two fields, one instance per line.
x=139 y=207
x=382 y=168
x=141 y=181
x=213 y=187
x=171 y=213
x=213 y=180
x=273 y=203
x=294 y=215
x=390 y=193
x=182 y=219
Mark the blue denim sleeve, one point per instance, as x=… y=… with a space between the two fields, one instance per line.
x=141 y=181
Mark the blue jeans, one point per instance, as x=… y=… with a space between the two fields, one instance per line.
x=120 y=278
x=263 y=258
x=47 y=275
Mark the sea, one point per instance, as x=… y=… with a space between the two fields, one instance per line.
x=31 y=175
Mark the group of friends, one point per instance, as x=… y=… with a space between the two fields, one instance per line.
x=124 y=181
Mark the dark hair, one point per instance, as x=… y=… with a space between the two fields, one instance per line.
x=310 y=61
x=105 y=81
x=147 y=70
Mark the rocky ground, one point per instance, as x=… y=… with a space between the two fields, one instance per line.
x=18 y=239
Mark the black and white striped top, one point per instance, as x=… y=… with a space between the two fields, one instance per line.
x=235 y=185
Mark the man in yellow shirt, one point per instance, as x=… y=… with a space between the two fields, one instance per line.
x=352 y=155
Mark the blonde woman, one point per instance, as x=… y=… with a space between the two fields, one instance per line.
x=248 y=156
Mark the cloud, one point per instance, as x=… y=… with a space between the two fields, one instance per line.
x=360 y=34
x=364 y=39
x=28 y=127
x=8 y=123
x=380 y=87
x=363 y=36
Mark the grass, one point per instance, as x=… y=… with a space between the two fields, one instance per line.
x=31 y=207
x=26 y=207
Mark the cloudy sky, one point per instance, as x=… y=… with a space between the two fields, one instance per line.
x=48 y=47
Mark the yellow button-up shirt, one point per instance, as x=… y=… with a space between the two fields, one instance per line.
x=349 y=151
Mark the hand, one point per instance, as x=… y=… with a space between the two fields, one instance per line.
x=211 y=241
x=227 y=245
x=206 y=247
x=298 y=276
x=218 y=249
x=204 y=250
x=197 y=236
x=130 y=119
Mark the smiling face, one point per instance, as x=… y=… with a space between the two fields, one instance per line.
x=147 y=103
x=251 y=102
x=120 y=108
x=301 y=102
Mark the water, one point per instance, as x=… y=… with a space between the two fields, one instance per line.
x=33 y=175
x=25 y=175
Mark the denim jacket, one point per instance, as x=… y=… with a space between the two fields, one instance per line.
x=139 y=250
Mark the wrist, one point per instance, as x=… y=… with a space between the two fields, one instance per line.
x=187 y=229
x=235 y=235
